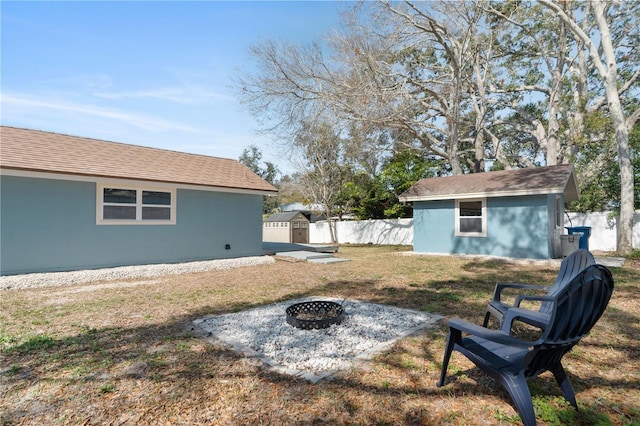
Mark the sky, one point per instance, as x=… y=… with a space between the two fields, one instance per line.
x=146 y=73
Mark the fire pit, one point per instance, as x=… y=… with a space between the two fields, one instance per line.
x=315 y=315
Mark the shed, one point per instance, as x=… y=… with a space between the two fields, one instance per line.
x=511 y=213
x=72 y=203
x=286 y=227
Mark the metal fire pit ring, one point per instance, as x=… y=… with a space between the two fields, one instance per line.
x=315 y=314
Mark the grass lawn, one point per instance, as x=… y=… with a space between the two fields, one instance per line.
x=126 y=354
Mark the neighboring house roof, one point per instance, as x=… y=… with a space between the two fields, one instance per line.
x=530 y=181
x=298 y=206
x=283 y=216
x=39 y=151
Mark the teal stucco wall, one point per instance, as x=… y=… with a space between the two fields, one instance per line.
x=516 y=227
x=50 y=225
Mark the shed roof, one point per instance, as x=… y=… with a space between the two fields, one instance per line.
x=284 y=216
x=504 y=183
x=39 y=151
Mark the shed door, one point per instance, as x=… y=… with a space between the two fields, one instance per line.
x=299 y=232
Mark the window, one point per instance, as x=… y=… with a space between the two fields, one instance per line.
x=120 y=205
x=471 y=218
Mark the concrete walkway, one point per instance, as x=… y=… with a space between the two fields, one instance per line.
x=315 y=253
x=270 y=248
x=610 y=261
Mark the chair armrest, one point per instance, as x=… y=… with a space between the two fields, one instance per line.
x=496 y=336
x=534 y=318
x=531 y=298
x=497 y=291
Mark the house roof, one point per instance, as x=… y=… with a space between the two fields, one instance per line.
x=504 y=183
x=289 y=207
x=39 y=151
x=283 y=216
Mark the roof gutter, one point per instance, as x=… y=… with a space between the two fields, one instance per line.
x=463 y=196
x=6 y=171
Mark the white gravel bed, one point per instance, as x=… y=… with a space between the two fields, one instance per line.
x=52 y=279
x=315 y=354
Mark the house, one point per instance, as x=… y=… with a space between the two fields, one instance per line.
x=286 y=227
x=70 y=203
x=511 y=213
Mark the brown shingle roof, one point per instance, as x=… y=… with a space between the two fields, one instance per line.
x=38 y=151
x=530 y=181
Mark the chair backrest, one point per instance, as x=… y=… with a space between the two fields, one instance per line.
x=577 y=308
x=569 y=268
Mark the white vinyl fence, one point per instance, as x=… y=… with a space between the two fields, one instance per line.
x=400 y=231
x=379 y=231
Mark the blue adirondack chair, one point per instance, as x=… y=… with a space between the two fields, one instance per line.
x=510 y=360
x=569 y=268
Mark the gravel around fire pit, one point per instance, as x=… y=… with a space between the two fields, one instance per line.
x=315 y=354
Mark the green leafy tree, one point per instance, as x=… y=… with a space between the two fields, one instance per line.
x=596 y=166
x=252 y=157
x=377 y=197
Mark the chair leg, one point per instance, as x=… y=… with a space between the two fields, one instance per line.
x=521 y=396
x=451 y=341
x=565 y=385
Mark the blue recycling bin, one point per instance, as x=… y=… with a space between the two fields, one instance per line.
x=585 y=233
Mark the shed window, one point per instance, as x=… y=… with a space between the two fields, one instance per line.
x=134 y=206
x=471 y=218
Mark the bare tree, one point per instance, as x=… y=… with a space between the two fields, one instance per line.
x=414 y=68
x=292 y=86
x=322 y=167
x=394 y=67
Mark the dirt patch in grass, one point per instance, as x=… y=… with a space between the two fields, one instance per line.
x=125 y=353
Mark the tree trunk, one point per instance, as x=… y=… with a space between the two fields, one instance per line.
x=332 y=231
x=552 y=134
x=625 y=224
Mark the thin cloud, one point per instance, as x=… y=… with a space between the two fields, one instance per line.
x=15 y=102
x=177 y=95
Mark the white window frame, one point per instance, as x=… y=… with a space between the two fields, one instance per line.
x=459 y=233
x=100 y=204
